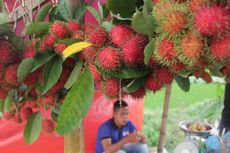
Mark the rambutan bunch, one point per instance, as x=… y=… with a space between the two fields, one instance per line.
x=212 y=20
x=190 y=48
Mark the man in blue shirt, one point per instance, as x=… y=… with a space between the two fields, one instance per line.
x=119 y=135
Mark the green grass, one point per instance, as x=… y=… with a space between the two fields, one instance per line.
x=197 y=93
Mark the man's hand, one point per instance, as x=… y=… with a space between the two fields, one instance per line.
x=134 y=137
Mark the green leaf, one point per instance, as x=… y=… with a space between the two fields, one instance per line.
x=148 y=52
x=130 y=72
x=3 y=7
x=63 y=9
x=41 y=59
x=37 y=28
x=4 y=18
x=107 y=25
x=104 y=11
x=126 y=8
x=54 y=15
x=143 y=23
x=77 y=103
x=1 y=106
x=54 y=116
x=183 y=83
x=25 y=68
x=44 y=12
x=33 y=128
x=17 y=42
x=74 y=75
x=69 y=41
x=51 y=73
x=135 y=84
x=8 y=101
x=95 y=13
x=79 y=13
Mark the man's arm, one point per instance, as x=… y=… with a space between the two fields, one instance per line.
x=112 y=148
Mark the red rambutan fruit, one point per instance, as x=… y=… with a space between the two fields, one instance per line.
x=11 y=75
x=152 y=84
x=73 y=26
x=166 y=49
x=140 y=93
x=48 y=41
x=212 y=20
x=25 y=113
x=133 y=50
x=207 y=77
x=8 y=115
x=59 y=30
x=109 y=58
x=7 y=53
x=112 y=88
x=174 y=22
x=164 y=76
x=196 y=5
x=98 y=37
x=48 y=126
x=17 y=117
x=3 y=94
x=221 y=48
x=192 y=46
x=89 y=54
x=30 y=50
x=59 y=48
x=46 y=100
x=120 y=34
x=96 y=75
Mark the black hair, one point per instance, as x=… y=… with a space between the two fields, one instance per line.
x=119 y=104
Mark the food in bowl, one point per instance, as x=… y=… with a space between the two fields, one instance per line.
x=198 y=127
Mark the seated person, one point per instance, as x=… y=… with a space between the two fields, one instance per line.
x=119 y=135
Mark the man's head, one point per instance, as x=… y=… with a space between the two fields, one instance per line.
x=120 y=112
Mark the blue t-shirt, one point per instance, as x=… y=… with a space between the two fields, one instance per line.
x=110 y=130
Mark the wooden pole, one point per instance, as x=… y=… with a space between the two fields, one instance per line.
x=73 y=142
x=164 y=119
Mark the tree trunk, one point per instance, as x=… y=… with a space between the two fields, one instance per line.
x=164 y=119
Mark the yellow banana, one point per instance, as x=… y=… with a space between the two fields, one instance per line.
x=74 y=48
